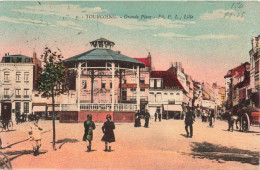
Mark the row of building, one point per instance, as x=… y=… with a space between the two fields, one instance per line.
x=102 y=80
x=242 y=82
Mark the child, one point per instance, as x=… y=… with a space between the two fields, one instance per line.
x=35 y=138
x=89 y=127
x=108 y=130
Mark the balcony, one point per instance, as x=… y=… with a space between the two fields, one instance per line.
x=132 y=99
x=99 y=107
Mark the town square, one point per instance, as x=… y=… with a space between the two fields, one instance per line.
x=129 y=85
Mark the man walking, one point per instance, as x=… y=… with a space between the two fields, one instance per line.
x=189 y=119
x=211 y=117
x=155 y=115
x=159 y=115
x=35 y=137
x=147 y=117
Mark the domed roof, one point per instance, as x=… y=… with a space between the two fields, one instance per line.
x=103 y=53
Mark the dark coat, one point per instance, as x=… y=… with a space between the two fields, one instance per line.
x=189 y=119
x=137 y=120
x=89 y=127
x=108 y=130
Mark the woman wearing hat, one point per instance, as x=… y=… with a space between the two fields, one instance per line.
x=89 y=127
x=108 y=130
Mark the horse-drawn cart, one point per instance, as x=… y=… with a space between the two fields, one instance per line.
x=247 y=117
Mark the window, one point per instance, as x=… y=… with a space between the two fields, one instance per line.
x=142 y=80
x=18 y=93
x=103 y=84
x=110 y=84
x=158 y=83
x=133 y=79
x=6 y=93
x=26 y=76
x=124 y=81
x=18 y=76
x=151 y=83
x=158 y=97
x=84 y=84
x=133 y=92
x=6 y=76
x=26 y=107
x=257 y=66
x=26 y=93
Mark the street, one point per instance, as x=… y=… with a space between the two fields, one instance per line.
x=161 y=146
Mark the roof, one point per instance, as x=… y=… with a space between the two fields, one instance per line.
x=238 y=71
x=146 y=61
x=169 y=79
x=102 y=39
x=104 y=55
x=17 y=55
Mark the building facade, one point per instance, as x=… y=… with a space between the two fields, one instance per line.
x=16 y=85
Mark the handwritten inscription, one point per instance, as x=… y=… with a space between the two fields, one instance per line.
x=238 y=11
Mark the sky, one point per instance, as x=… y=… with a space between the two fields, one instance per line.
x=209 y=38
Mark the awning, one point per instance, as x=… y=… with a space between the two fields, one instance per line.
x=173 y=108
x=39 y=108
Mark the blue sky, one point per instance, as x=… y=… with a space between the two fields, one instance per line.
x=214 y=38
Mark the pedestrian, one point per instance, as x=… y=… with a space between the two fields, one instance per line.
x=155 y=115
x=35 y=137
x=146 y=117
x=189 y=119
x=89 y=126
x=211 y=116
x=230 y=122
x=159 y=115
x=108 y=130
x=137 y=119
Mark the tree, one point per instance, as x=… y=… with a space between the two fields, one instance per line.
x=52 y=80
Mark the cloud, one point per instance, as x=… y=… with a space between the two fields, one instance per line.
x=71 y=24
x=25 y=21
x=78 y=13
x=199 y=37
x=142 y=24
x=224 y=14
x=64 y=10
x=171 y=34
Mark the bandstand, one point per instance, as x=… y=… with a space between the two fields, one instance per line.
x=103 y=63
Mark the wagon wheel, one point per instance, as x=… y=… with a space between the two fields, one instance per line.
x=245 y=122
x=4 y=162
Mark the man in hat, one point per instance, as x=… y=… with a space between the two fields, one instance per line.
x=189 y=119
x=108 y=130
x=146 y=117
x=89 y=126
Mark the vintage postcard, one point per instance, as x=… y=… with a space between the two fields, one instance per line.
x=151 y=85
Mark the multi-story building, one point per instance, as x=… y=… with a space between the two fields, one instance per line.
x=208 y=97
x=239 y=83
x=254 y=71
x=16 y=85
x=166 y=93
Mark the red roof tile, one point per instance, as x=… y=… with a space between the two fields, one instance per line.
x=169 y=79
x=237 y=71
x=146 y=61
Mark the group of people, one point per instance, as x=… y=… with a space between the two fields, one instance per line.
x=107 y=128
x=138 y=118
